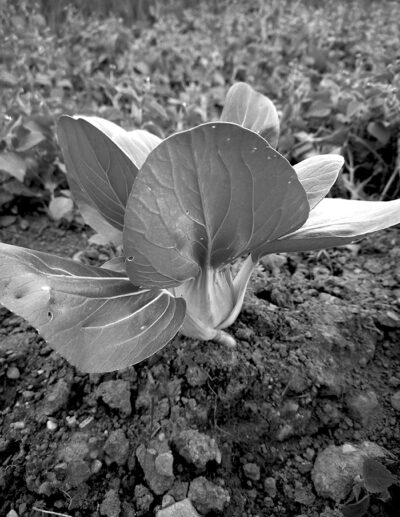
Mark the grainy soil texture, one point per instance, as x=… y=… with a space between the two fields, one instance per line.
x=243 y=431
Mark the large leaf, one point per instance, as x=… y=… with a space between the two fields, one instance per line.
x=102 y=162
x=93 y=317
x=334 y=222
x=252 y=110
x=317 y=175
x=203 y=198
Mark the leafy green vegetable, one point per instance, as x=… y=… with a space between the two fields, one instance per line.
x=357 y=509
x=186 y=210
x=377 y=478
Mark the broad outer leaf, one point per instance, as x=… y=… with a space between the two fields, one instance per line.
x=334 y=222
x=93 y=317
x=102 y=161
x=205 y=197
x=317 y=175
x=252 y=110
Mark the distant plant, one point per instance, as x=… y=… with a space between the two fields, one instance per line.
x=376 y=479
x=29 y=155
x=190 y=211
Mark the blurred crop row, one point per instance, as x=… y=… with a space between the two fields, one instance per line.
x=333 y=70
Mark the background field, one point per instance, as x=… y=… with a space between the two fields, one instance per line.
x=331 y=68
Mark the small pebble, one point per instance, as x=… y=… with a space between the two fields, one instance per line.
x=18 y=425
x=394 y=382
x=71 y=421
x=252 y=471
x=96 y=466
x=13 y=373
x=309 y=454
x=51 y=425
x=395 y=401
x=167 y=500
x=270 y=486
x=24 y=224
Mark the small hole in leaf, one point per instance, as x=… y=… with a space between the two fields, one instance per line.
x=130 y=258
x=213 y=127
x=19 y=293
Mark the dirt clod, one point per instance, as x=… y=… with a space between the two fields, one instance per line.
x=182 y=508
x=117 y=395
x=116 y=448
x=207 y=496
x=197 y=448
x=152 y=465
x=111 y=505
x=57 y=398
x=252 y=471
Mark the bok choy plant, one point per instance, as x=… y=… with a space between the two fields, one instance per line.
x=185 y=209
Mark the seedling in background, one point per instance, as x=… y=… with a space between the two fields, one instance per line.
x=188 y=210
x=376 y=479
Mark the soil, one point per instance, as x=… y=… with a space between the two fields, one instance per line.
x=317 y=363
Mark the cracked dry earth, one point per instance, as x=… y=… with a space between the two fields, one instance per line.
x=275 y=427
